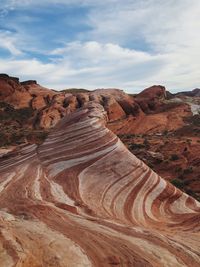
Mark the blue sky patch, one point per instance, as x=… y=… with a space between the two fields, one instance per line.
x=95 y=44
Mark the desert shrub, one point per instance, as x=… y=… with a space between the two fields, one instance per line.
x=16 y=137
x=195 y=120
x=146 y=143
x=178 y=183
x=158 y=161
x=20 y=115
x=126 y=135
x=150 y=165
x=24 y=113
x=41 y=136
x=136 y=146
x=3 y=139
x=188 y=141
x=191 y=193
x=36 y=137
x=178 y=169
x=4 y=116
x=187 y=182
x=166 y=161
x=4 y=105
x=188 y=170
x=174 y=157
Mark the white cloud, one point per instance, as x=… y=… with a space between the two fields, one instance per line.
x=97 y=52
x=90 y=65
x=131 y=44
x=26 y=68
x=8 y=42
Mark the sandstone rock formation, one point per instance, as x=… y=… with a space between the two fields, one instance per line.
x=145 y=112
x=158 y=122
x=170 y=123
x=22 y=95
x=149 y=98
x=12 y=92
x=82 y=199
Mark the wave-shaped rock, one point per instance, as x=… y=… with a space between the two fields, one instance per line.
x=82 y=199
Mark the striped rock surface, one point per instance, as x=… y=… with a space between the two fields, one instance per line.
x=82 y=199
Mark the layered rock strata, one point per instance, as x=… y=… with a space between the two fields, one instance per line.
x=82 y=199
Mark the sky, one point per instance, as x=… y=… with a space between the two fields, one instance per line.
x=129 y=44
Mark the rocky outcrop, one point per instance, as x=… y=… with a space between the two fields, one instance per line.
x=82 y=199
x=50 y=106
x=144 y=113
x=117 y=104
x=12 y=92
x=22 y=95
x=6 y=77
x=29 y=82
x=168 y=119
x=153 y=92
x=150 y=98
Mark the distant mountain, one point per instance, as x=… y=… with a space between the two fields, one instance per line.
x=193 y=93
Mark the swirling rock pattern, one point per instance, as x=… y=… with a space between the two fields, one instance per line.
x=82 y=199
